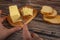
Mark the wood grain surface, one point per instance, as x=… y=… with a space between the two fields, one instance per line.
x=45 y=30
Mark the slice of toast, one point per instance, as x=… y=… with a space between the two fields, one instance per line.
x=55 y=20
x=46 y=10
x=51 y=15
x=27 y=19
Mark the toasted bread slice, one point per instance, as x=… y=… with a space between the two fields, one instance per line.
x=51 y=15
x=55 y=20
x=27 y=19
x=46 y=10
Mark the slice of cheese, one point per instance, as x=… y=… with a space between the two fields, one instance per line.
x=14 y=13
x=27 y=11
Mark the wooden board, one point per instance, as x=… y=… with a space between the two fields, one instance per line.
x=45 y=30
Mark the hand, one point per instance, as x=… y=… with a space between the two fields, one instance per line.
x=4 y=32
x=29 y=35
x=26 y=33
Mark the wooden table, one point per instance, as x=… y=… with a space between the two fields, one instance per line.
x=45 y=30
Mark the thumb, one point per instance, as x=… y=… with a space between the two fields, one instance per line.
x=12 y=30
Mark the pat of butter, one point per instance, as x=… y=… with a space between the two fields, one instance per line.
x=27 y=11
x=14 y=13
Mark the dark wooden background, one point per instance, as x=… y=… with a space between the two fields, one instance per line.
x=45 y=30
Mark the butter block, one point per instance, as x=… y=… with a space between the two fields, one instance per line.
x=14 y=13
x=27 y=11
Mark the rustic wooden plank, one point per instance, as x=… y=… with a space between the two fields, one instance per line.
x=43 y=29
